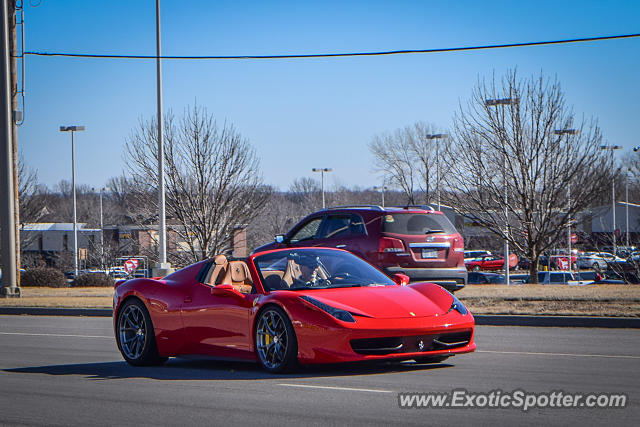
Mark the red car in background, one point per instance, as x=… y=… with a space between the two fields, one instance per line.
x=490 y=262
x=414 y=240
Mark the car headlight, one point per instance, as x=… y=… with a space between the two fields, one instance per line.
x=339 y=314
x=458 y=306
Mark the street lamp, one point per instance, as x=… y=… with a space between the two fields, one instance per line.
x=73 y=130
x=381 y=189
x=101 y=230
x=162 y=268
x=322 y=171
x=499 y=103
x=435 y=137
x=611 y=149
x=568 y=132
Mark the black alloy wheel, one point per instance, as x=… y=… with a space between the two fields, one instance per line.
x=135 y=335
x=275 y=341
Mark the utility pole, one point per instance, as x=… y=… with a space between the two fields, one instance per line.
x=13 y=65
x=7 y=198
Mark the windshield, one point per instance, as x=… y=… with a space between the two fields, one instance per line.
x=316 y=269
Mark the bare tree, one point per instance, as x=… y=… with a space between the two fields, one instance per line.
x=408 y=160
x=213 y=178
x=549 y=177
x=32 y=204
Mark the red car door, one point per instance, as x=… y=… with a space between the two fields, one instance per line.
x=217 y=325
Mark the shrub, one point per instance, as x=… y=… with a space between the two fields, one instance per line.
x=92 y=279
x=43 y=276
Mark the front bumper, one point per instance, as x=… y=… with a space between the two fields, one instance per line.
x=399 y=339
x=452 y=279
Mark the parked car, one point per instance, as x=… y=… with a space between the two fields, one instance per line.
x=490 y=262
x=413 y=240
x=553 y=277
x=598 y=260
x=481 y=278
x=288 y=306
x=477 y=253
x=558 y=261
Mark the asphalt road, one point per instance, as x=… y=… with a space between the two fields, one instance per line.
x=67 y=371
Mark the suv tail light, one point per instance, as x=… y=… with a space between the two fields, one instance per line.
x=389 y=244
x=458 y=244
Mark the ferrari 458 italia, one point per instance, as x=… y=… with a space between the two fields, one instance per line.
x=288 y=306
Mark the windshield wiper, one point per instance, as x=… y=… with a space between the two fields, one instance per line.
x=430 y=231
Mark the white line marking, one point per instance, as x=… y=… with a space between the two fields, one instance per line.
x=54 y=335
x=611 y=356
x=324 y=387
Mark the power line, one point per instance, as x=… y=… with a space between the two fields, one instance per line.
x=336 y=55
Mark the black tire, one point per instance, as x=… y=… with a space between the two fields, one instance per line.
x=596 y=267
x=135 y=335
x=275 y=341
x=431 y=359
x=476 y=268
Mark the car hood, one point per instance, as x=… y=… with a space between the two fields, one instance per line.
x=380 y=302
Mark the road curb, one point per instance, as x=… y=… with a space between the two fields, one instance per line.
x=558 y=321
x=481 y=319
x=50 y=311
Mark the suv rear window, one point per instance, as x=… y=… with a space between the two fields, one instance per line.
x=417 y=223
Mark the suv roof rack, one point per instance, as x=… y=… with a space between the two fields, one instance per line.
x=375 y=207
x=423 y=207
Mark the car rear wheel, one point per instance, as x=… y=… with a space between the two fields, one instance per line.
x=275 y=340
x=476 y=268
x=135 y=335
x=596 y=266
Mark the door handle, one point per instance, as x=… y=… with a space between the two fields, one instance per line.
x=341 y=246
x=188 y=299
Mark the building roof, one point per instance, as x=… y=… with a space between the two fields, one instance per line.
x=55 y=226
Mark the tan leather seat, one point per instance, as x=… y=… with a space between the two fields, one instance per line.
x=239 y=277
x=219 y=270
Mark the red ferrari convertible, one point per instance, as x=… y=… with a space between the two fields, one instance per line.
x=288 y=306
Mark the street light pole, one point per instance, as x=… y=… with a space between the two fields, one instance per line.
x=497 y=103
x=73 y=130
x=568 y=132
x=101 y=232
x=162 y=268
x=322 y=171
x=382 y=189
x=626 y=199
x=435 y=137
x=611 y=149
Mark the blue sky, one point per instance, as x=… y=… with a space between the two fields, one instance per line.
x=300 y=114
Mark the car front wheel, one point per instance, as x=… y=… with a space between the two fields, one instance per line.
x=275 y=341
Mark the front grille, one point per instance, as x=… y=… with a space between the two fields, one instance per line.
x=412 y=344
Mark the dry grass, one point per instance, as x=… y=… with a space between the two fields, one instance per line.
x=62 y=297
x=590 y=300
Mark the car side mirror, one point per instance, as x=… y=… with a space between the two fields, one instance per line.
x=224 y=290
x=279 y=238
x=401 y=279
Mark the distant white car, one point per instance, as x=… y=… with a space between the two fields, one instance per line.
x=597 y=260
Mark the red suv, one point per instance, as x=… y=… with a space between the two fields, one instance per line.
x=414 y=240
